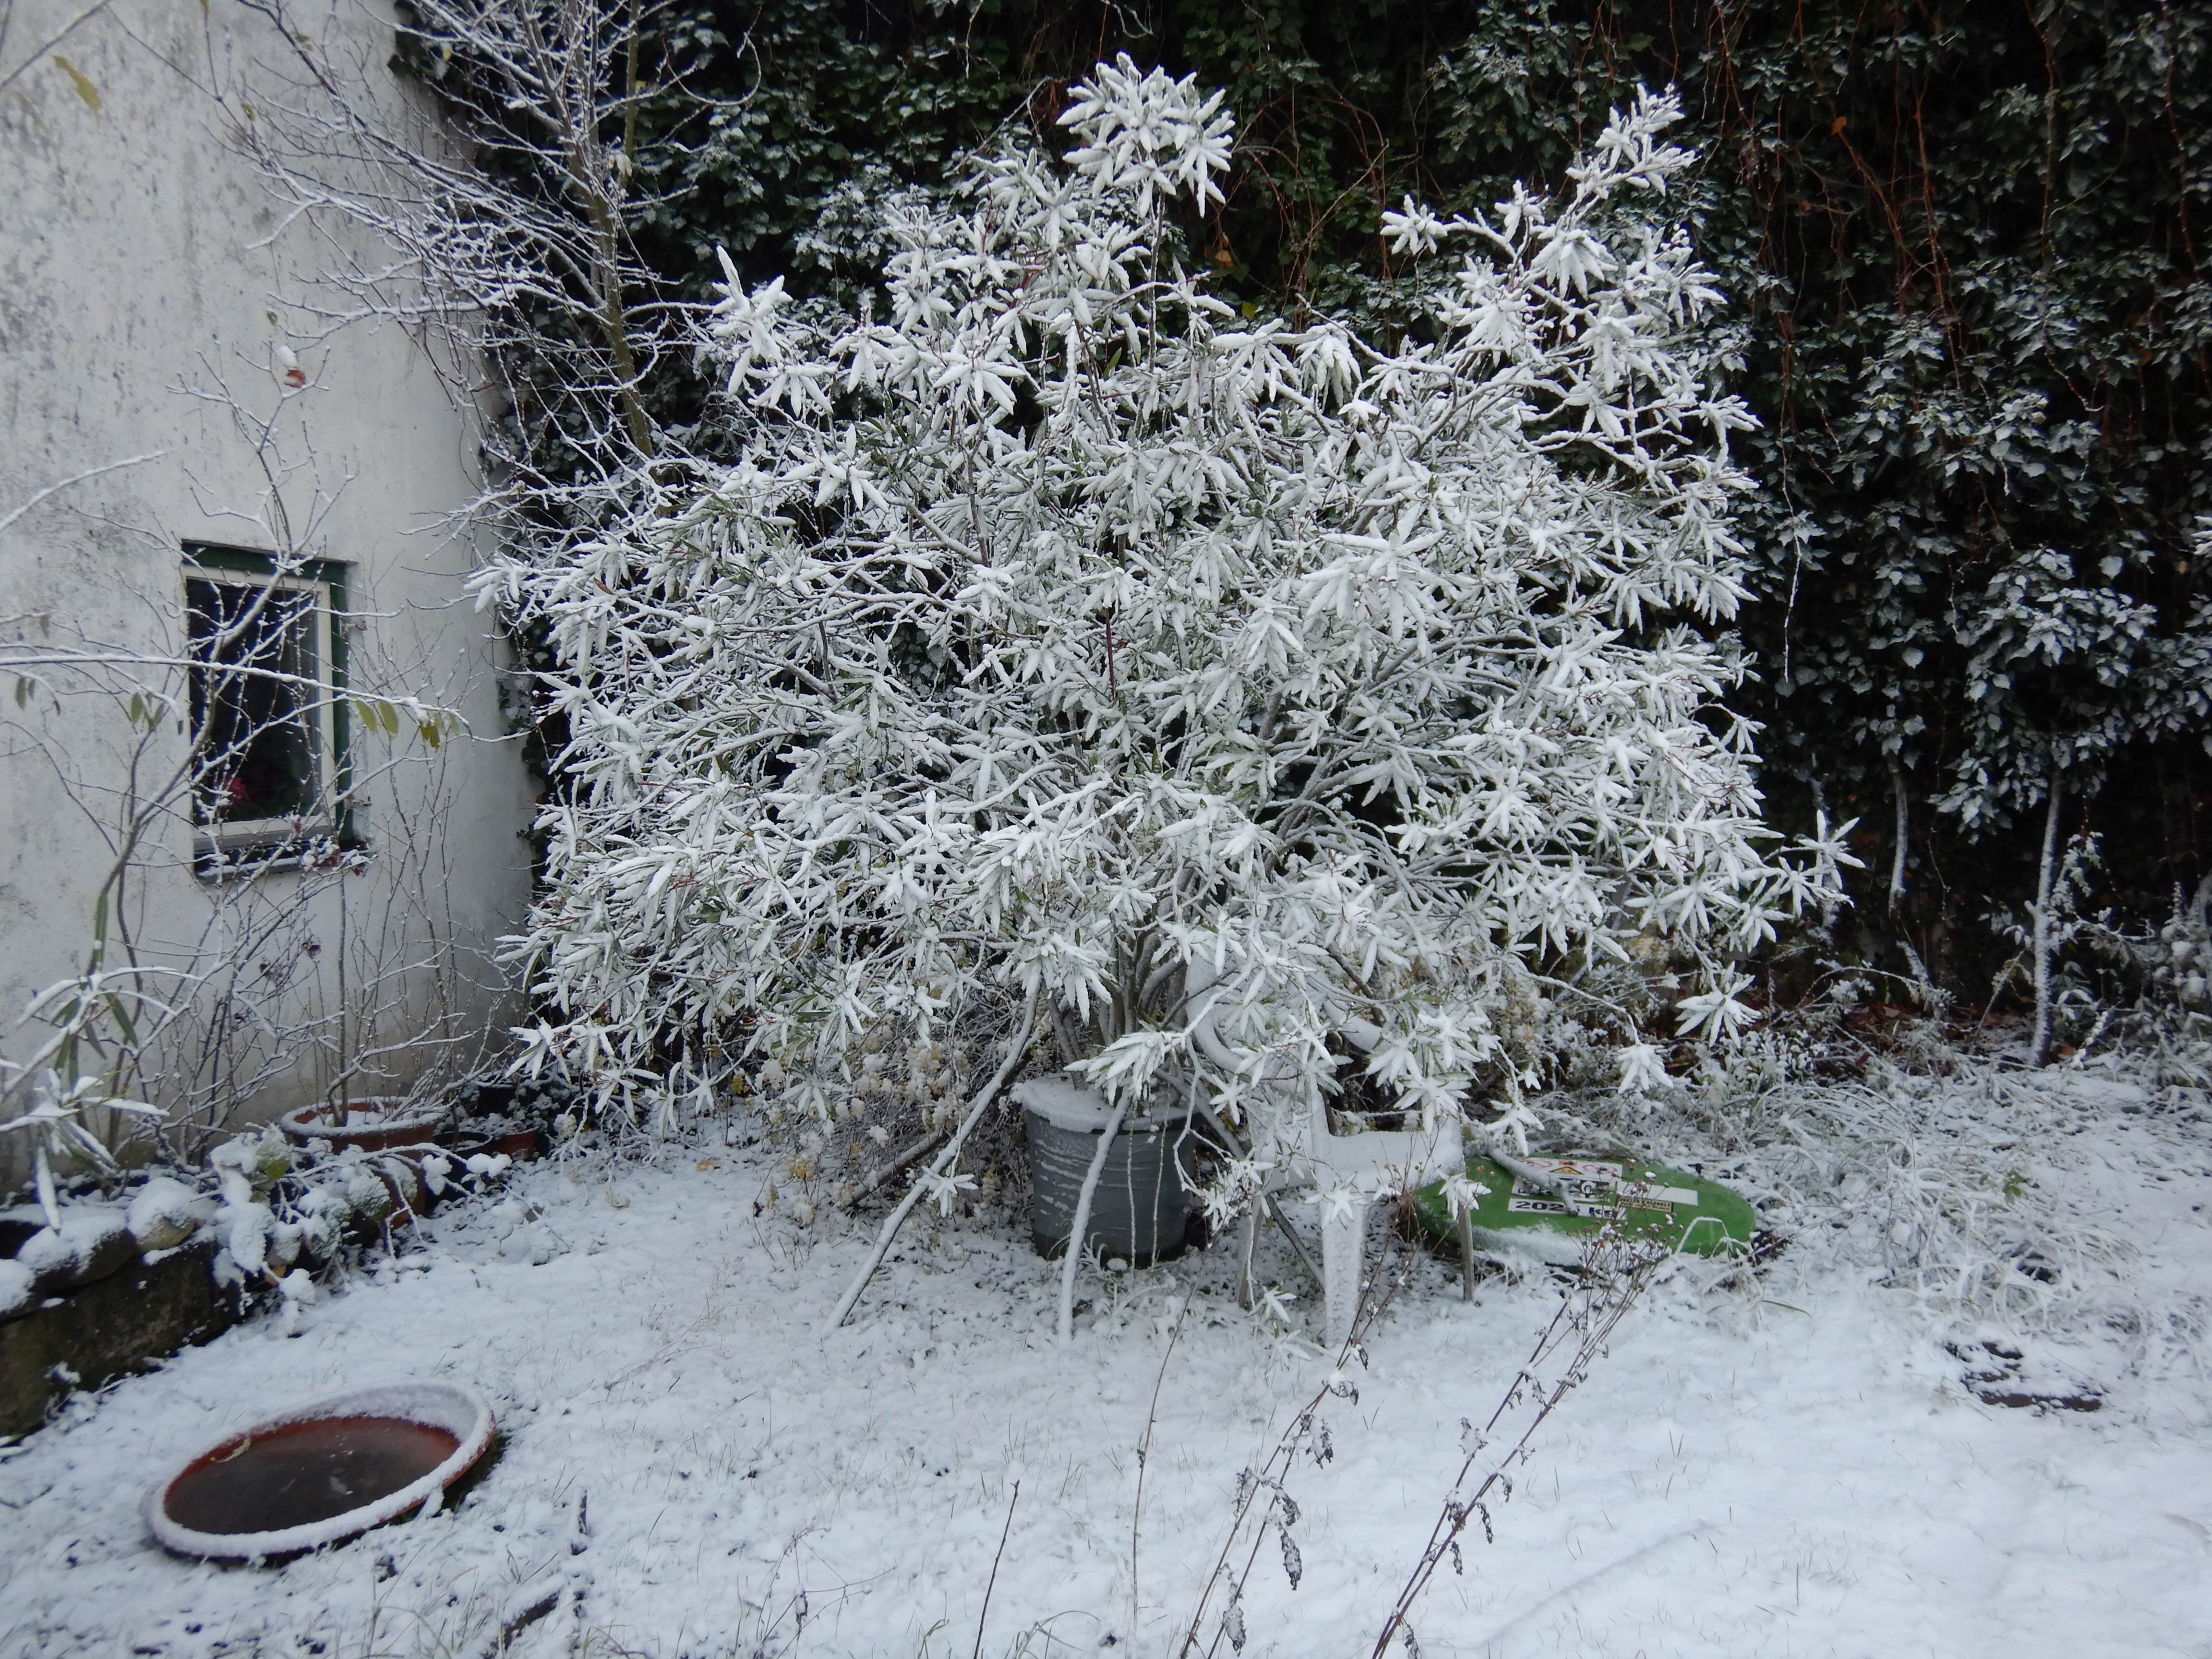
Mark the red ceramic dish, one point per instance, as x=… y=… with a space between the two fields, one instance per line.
x=322 y=1472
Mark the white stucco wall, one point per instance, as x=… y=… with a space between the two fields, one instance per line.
x=131 y=293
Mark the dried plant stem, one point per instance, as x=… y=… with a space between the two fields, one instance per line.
x=1612 y=1275
x=1144 y=1457
x=1304 y=1432
x=991 y=1584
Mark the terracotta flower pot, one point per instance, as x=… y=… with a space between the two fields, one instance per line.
x=520 y=1144
x=375 y=1125
x=410 y=1193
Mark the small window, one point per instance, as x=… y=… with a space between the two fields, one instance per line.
x=266 y=672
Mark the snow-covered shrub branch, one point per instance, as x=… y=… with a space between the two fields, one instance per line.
x=499 y=230
x=1053 y=626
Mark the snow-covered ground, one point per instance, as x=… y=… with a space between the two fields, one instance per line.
x=1792 y=1466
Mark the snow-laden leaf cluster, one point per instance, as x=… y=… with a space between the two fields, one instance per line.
x=2064 y=674
x=1053 y=628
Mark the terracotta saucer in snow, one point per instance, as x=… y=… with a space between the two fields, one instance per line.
x=321 y=1473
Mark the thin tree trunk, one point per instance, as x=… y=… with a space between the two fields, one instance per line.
x=1829 y=906
x=1903 y=836
x=1231 y=1143
x=615 y=324
x=1248 y=1245
x=2039 y=1051
x=1075 y=1257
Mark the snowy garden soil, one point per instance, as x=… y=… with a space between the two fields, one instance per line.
x=1795 y=1466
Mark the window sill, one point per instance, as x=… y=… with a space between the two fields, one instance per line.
x=246 y=860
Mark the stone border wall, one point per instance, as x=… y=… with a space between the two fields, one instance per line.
x=146 y=1308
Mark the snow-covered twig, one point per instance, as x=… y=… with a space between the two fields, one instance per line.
x=1613 y=1274
x=36 y=496
x=900 y=1163
x=1081 y=1226
x=926 y=1183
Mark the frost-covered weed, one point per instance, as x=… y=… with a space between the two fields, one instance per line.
x=1977 y=1189
x=2147 y=986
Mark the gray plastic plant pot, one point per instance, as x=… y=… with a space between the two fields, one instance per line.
x=1141 y=1209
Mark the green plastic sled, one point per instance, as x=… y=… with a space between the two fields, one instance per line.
x=1640 y=1200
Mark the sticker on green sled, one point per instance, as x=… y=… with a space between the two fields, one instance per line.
x=1638 y=1200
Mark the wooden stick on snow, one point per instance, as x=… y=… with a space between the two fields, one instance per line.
x=1019 y=1046
x=1074 y=1257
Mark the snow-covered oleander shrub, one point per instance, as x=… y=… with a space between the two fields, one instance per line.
x=1058 y=628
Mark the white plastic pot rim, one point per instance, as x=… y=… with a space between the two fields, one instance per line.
x=1070 y=1106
